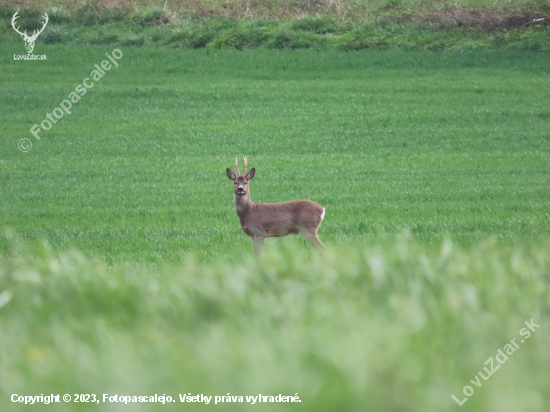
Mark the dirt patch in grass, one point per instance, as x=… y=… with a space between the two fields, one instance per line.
x=507 y=18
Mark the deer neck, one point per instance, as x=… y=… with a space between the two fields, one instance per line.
x=243 y=205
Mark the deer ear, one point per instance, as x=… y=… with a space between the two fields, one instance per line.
x=230 y=174
x=250 y=173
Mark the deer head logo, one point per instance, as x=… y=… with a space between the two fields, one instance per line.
x=29 y=40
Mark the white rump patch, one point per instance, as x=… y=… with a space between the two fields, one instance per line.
x=323 y=214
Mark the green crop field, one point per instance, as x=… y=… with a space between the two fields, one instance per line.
x=434 y=144
x=124 y=270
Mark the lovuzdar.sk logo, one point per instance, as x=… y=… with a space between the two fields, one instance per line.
x=29 y=40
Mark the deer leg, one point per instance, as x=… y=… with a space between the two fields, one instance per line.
x=312 y=238
x=315 y=241
x=258 y=245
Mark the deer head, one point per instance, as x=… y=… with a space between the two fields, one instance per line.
x=29 y=40
x=240 y=180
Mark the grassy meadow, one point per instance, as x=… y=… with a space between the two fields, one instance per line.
x=124 y=270
x=281 y=24
x=439 y=145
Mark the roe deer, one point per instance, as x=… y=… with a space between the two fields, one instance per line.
x=261 y=220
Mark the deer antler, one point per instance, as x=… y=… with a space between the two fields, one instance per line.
x=15 y=16
x=237 y=166
x=34 y=34
x=244 y=170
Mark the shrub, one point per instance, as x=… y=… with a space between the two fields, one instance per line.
x=176 y=39
x=201 y=38
x=87 y=15
x=112 y=15
x=320 y=26
x=54 y=35
x=280 y=40
x=253 y=36
x=58 y=15
x=7 y=10
x=227 y=41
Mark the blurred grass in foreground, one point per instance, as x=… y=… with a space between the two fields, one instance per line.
x=390 y=327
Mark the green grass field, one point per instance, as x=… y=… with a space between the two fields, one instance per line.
x=123 y=268
x=439 y=145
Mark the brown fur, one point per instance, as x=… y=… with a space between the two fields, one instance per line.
x=261 y=220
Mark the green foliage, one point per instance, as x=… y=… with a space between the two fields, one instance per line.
x=101 y=37
x=228 y=41
x=54 y=35
x=200 y=39
x=439 y=144
x=7 y=10
x=252 y=35
x=148 y=17
x=178 y=38
x=425 y=26
x=405 y=150
x=280 y=40
x=58 y=15
x=374 y=328
x=319 y=26
x=117 y=15
x=536 y=39
x=88 y=14
x=134 y=41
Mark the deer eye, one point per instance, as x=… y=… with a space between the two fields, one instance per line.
x=245 y=183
